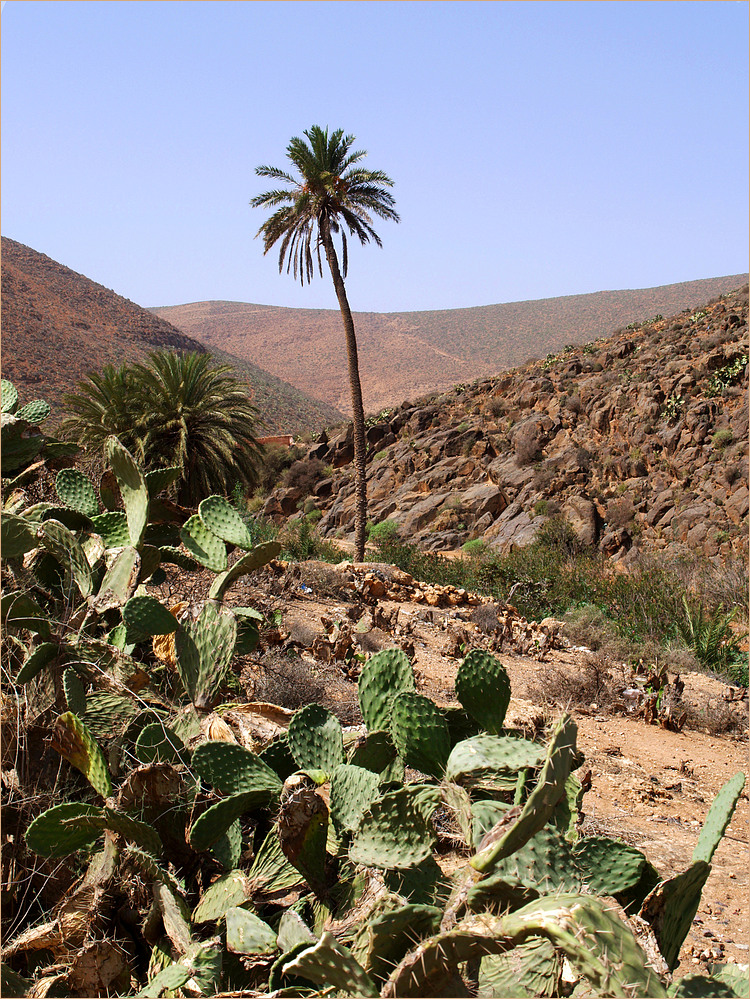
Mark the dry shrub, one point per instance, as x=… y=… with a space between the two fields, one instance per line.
x=597 y=681
x=291 y=682
x=305 y=474
x=620 y=513
x=716 y=718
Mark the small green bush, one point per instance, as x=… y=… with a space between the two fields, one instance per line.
x=386 y=530
x=474 y=547
x=722 y=438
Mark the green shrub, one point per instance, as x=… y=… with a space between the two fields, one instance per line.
x=386 y=530
x=722 y=438
x=474 y=547
x=541 y=508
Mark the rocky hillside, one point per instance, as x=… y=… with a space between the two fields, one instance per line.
x=639 y=439
x=58 y=325
x=408 y=354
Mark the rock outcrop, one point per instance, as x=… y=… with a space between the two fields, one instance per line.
x=638 y=440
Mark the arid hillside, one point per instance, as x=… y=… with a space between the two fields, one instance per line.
x=57 y=325
x=406 y=354
x=639 y=440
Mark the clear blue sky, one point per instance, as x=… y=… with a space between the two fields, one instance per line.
x=537 y=148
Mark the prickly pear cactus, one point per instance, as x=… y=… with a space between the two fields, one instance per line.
x=259 y=556
x=328 y=962
x=58 y=831
x=383 y=676
x=316 y=739
x=483 y=688
x=547 y=792
x=491 y=762
x=420 y=733
x=353 y=790
x=718 y=818
x=396 y=832
x=221 y=518
x=204 y=647
x=72 y=739
x=203 y=545
x=232 y=769
x=248 y=933
x=133 y=489
x=145 y=615
x=76 y=491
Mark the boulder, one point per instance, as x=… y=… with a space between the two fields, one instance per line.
x=582 y=516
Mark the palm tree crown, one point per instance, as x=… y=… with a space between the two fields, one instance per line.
x=177 y=409
x=333 y=194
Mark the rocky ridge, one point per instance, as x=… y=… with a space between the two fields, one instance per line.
x=639 y=440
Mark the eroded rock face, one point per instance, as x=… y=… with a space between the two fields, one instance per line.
x=656 y=416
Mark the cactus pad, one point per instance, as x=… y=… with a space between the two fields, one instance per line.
x=221 y=518
x=112 y=528
x=353 y=790
x=226 y=892
x=133 y=489
x=157 y=743
x=72 y=739
x=203 y=544
x=608 y=867
x=483 y=688
x=492 y=762
x=145 y=615
x=75 y=692
x=316 y=739
x=158 y=479
x=57 y=833
x=232 y=769
x=63 y=545
x=395 y=832
x=718 y=818
x=248 y=933
x=204 y=647
x=530 y=969
x=77 y=491
x=34 y=412
x=35 y=662
x=120 y=580
x=327 y=962
x=8 y=396
x=539 y=806
x=420 y=733
x=209 y=827
x=17 y=536
x=383 y=676
x=671 y=907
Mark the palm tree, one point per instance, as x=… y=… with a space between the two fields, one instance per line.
x=177 y=409
x=331 y=195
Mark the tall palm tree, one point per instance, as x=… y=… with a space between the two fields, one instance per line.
x=177 y=409
x=331 y=195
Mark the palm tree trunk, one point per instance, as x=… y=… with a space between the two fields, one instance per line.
x=358 y=414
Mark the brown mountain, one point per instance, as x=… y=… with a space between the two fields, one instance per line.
x=406 y=354
x=58 y=325
x=639 y=440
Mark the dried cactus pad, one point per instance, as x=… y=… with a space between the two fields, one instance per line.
x=483 y=688
x=383 y=676
x=77 y=491
x=220 y=517
x=316 y=739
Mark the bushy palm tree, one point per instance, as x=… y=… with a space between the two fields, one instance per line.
x=331 y=195
x=176 y=409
